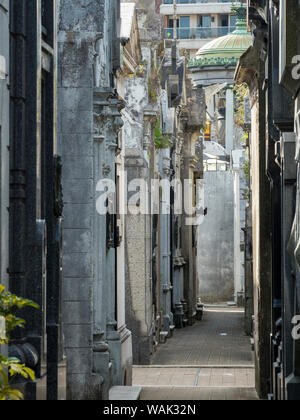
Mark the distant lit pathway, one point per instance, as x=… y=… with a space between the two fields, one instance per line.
x=210 y=360
x=202 y=343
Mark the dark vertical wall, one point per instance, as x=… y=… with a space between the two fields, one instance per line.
x=262 y=251
x=4 y=139
x=249 y=309
x=4 y=145
x=34 y=264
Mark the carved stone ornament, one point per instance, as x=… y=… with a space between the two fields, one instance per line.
x=107 y=116
x=106 y=169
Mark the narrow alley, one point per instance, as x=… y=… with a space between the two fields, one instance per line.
x=210 y=360
x=149 y=200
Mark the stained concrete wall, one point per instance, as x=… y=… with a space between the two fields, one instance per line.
x=215 y=257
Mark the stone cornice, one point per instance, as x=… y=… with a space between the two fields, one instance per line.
x=213 y=61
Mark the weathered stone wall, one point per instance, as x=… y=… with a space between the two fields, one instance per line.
x=216 y=239
x=139 y=310
x=139 y=116
x=88 y=125
x=139 y=290
x=75 y=113
x=149 y=20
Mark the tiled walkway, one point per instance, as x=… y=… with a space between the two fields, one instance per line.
x=205 y=344
x=197 y=394
x=194 y=377
x=210 y=360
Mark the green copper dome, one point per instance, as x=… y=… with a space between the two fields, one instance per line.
x=226 y=50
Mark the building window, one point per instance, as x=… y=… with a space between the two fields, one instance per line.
x=171 y=23
x=185 y=22
x=223 y=19
x=184 y=27
x=204 y=21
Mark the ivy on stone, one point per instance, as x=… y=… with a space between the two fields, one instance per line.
x=9 y=366
x=161 y=141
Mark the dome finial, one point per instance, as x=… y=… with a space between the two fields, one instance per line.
x=241 y=12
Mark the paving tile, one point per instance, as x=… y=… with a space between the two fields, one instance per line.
x=203 y=381
x=205 y=394
x=189 y=380
x=177 y=380
x=202 y=345
x=218 y=394
x=216 y=381
x=164 y=380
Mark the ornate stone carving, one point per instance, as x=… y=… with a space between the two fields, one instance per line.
x=107 y=117
x=106 y=169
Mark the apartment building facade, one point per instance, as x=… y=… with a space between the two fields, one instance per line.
x=198 y=21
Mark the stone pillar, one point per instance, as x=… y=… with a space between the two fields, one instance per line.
x=143 y=296
x=108 y=122
x=262 y=256
x=152 y=243
x=178 y=260
x=125 y=333
x=229 y=140
x=239 y=223
x=237 y=240
x=188 y=228
x=165 y=243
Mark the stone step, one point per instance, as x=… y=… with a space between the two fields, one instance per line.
x=125 y=393
x=169 y=393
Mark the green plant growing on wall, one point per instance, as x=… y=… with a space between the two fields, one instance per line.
x=247 y=195
x=141 y=70
x=246 y=169
x=154 y=84
x=161 y=141
x=10 y=367
x=241 y=91
x=152 y=90
x=154 y=81
x=244 y=138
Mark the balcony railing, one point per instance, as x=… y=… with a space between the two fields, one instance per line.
x=198 y=33
x=196 y=1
